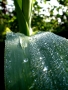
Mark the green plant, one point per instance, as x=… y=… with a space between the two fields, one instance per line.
x=36 y=62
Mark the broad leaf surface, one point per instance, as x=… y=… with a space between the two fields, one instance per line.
x=39 y=62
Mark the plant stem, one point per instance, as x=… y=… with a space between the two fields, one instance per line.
x=23 y=10
x=27 y=10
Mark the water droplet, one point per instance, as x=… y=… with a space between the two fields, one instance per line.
x=65 y=55
x=61 y=61
x=25 y=60
x=9 y=81
x=35 y=80
x=43 y=62
x=10 y=61
x=61 y=57
x=54 y=46
x=32 y=70
x=45 y=43
x=45 y=69
x=51 y=53
x=57 y=53
x=40 y=58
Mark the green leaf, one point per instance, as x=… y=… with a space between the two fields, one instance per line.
x=23 y=9
x=19 y=3
x=23 y=25
x=39 y=62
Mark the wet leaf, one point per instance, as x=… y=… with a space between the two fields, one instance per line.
x=38 y=62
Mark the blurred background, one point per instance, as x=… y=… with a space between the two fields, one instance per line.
x=47 y=15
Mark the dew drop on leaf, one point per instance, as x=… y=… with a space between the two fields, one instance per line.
x=40 y=58
x=45 y=69
x=25 y=60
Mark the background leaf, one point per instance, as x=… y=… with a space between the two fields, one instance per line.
x=23 y=25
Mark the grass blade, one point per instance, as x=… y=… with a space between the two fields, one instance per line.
x=23 y=26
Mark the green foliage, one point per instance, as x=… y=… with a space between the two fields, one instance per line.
x=24 y=15
x=39 y=62
x=23 y=25
x=63 y=2
x=39 y=21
